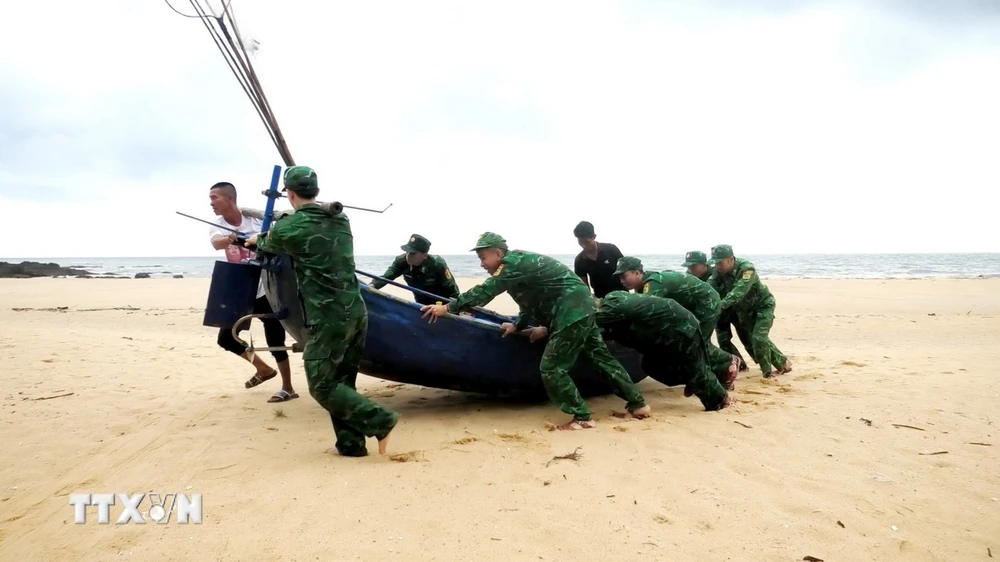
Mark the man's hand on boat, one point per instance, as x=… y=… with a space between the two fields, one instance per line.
x=433 y=311
x=538 y=333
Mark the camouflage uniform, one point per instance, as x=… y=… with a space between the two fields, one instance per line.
x=549 y=294
x=691 y=293
x=669 y=338
x=753 y=304
x=321 y=246
x=727 y=318
x=432 y=276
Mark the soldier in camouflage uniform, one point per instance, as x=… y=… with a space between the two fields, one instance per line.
x=697 y=264
x=691 y=293
x=421 y=270
x=321 y=246
x=670 y=340
x=753 y=304
x=551 y=295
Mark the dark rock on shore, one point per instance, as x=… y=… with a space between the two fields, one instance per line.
x=28 y=269
x=142 y=276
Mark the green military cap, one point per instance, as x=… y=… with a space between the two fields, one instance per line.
x=301 y=179
x=490 y=240
x=721 y=252
x=628 y=263
x=417 y=244
x=695 y=257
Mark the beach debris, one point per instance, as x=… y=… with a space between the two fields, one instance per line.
x=280 y=413
x=812 y=559
x=547 y=483
x=879 y=477
x=931 y=314
x=894 y=528
x=908 y=426
x=980 y=444
x=936 y=453
x=867 y=422
x=743 y=424
x=989 y=552
x=842 y=526
x=574 y=456
x=49 y=397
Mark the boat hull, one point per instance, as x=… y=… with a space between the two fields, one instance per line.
x=454 y=353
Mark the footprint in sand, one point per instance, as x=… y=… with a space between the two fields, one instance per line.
x=412 y=456
x=512 y=437
x=852 y=364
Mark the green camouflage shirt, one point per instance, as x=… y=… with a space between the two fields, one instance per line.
x=651 y=321
x=322 y=247
x=432 y=276
x=743 y=290
x=692 y=293
x=548 y=293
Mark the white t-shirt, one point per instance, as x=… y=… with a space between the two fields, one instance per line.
x=234 y=253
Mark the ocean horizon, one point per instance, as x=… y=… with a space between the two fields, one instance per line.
x=769 y=266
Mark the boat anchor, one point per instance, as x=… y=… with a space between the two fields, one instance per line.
x=251 y=350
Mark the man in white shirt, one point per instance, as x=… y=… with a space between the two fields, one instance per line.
x=222 y=197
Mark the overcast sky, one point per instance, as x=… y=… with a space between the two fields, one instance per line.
x=671 y=126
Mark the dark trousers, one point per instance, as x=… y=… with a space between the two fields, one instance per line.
x=274 y=333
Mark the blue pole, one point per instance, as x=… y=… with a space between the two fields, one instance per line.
x=272 y=195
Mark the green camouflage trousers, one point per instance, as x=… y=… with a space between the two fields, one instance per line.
x=331 y=358
x=724 y=333
x=685 y=361
x=759 y=323
x=582 y=339
x=718 y=360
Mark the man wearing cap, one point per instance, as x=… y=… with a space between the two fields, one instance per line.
x=670 y=340
x=753 y=304
x=696 y=263
x=596 y=263
x=694 y=295
x=551 y=295
x=320 y=243
x=421 y=270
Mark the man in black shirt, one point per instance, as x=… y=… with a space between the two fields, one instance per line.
x=597 y=262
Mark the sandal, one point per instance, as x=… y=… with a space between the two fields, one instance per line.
x=731 y=374
x=577 y=424
x=282 y=396
x=257 y=379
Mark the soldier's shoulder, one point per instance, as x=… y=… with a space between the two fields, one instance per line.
x=742 y=264
x=401 y=258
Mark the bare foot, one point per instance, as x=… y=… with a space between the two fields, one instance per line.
x=383 y=443
x=641 y=413
x=787 y=368
x=573 y=425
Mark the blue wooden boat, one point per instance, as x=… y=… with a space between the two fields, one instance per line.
x=455 y=353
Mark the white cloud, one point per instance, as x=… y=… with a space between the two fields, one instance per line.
x=669 y=127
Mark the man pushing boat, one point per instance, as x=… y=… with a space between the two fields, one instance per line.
x=320 y=243
x=557 y=301
x=670 y=340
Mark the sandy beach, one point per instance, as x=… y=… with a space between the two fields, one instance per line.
x=880 y=445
